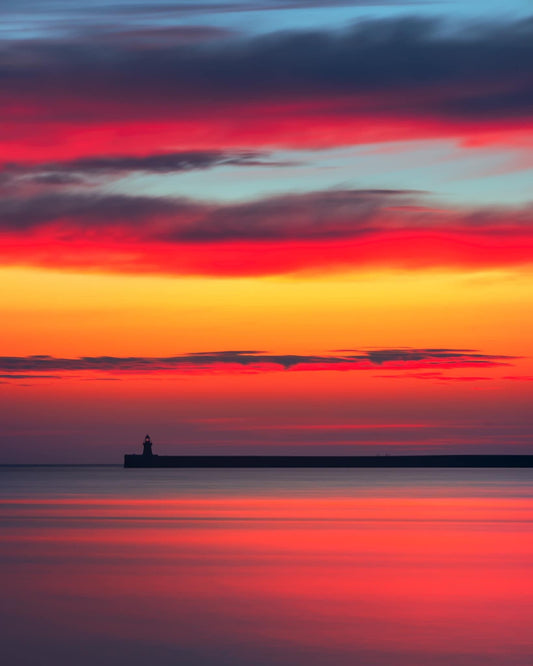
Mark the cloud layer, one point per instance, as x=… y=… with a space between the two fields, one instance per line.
x=76 y=112
x=380 y=79
x=109 y=166
x=18 y=367
x=334 y=229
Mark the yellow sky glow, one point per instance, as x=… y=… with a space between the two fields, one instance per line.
x=71 y=314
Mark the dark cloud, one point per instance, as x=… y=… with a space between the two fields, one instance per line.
x=330 y=214
x=13 y=366
x=331 y=230
x=335 y=213
x=402 y=66
x=74 y=211
x=57 y=178
x=381 y=356
x=73 y=171
x=150 y=37
x=318 y=215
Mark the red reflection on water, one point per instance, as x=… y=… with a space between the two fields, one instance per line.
x=356 y=580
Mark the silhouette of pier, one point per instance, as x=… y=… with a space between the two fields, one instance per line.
x=149 y=459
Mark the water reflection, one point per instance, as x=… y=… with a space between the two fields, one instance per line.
x=347 y=567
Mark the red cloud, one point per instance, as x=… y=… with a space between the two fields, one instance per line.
x=315 y=231
x=313 y=124
x=379 y=81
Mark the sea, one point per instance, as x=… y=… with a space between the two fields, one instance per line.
x=386 y=567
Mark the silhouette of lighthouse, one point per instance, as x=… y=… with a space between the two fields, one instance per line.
x=147 y=447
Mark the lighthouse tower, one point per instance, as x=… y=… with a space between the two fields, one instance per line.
x=147 y=447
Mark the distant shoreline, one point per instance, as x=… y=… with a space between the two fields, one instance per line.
x=261 y=461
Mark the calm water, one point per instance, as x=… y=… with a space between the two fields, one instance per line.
x=101 y=565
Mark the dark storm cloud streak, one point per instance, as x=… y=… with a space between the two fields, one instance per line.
x=402 y=66
x=157 y=36
x=54 y=172
x=249 y=359
x=331 y=214
x=20 y=214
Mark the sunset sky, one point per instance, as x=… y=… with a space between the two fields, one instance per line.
x=265 y=226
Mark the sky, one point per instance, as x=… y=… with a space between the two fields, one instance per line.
x=265 y=226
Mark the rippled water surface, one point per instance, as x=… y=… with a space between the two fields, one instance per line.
x=102 y=565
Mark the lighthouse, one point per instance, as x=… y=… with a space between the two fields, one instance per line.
x=147 y=447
